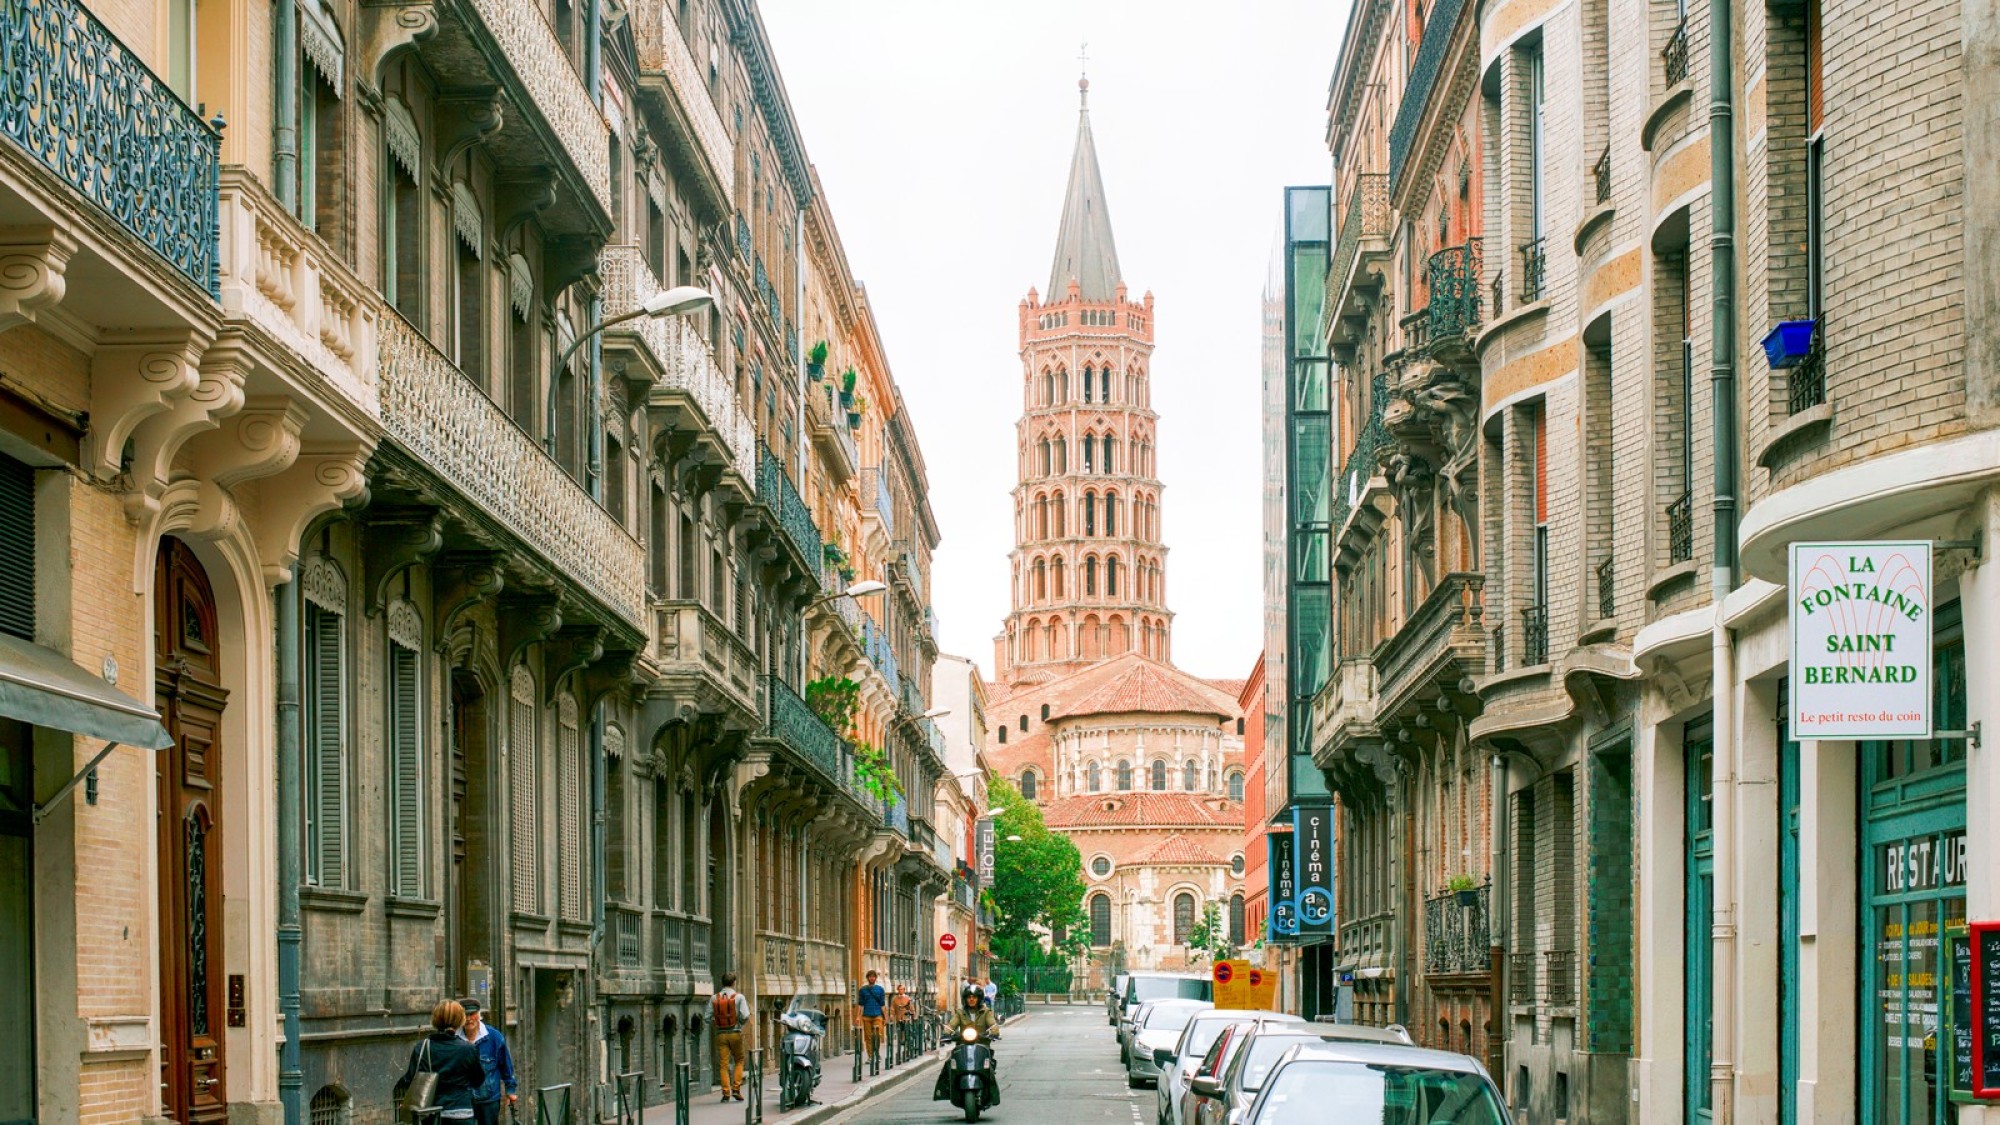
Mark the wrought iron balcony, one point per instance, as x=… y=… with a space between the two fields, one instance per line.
x=1360 y=463
x=775 y=489
x=431 y=409
x=1534 y=267
x=1454 y=284
x=1559 y=976
x=689 y=640
x=1674 y=56
x=555 y=90
x=1456 y=939
x=876 y=497
x=1521 y=978
x=1498 y=648
x=1805 y=383
x=1607 y=604
x=667 y=65
x=88 y=109
x=1680 y=529
x=1601 y=172
x=896 y=816
x=1534 y=635
x=875 y=645
x=743 y=238
x=791 y=722
x=1424 y=70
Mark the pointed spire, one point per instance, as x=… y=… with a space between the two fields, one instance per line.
x=1084 y=247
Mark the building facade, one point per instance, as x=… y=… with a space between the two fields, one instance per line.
x=478 y=614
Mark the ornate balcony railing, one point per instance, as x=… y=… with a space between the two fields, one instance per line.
x=930 y=621
x=1674 y=56
x=1607 y=584
x=1534 y=267
x=1360 y=464
x=774 y=487
x=685 y=358
x=663 y=50
x=1521 y=978
x=669 y=941
x=554 y=88
x=1454 y=283
x=1601 y=173
x=686 y=633
x=876 y=497
x=1438 y=30
x=1498 y=648
x=1534 y=635
x=430 y=408
x=1680 y=529
x=875 y=645
x=793 y=723
x=743 y=238
x=88 y=109
x=1455 y=933
x=1367 y=216
x=831 y=420
x=896 y=816
x=1805 y=383
x=908 y=695
x=1559 y=976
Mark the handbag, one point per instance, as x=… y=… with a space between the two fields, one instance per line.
x=422 y=1091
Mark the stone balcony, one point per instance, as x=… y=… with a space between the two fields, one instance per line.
x=826 y=420
x=701 y=658
x=439 y=416
x=1436 y=652
x=685 y=389
x=1344 y=712
x=1356 y=269
x=671 y=80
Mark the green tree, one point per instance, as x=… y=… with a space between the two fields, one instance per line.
x=1209 y=935
x=1037 y=879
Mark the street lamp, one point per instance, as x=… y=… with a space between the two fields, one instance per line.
x=678 y=301
x=936 y=713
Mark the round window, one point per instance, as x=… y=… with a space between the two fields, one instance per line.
x=1100 y=866
x=1236 y=865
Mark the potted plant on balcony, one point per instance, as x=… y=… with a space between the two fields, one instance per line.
x=1463 y=889
x=873 y=772
x=1788 y=344
x=855 y=410
x=847 y=378
x=816 y=361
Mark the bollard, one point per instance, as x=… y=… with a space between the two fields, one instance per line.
x=753 y=1089
x=857 y=1064
x=683 y=1083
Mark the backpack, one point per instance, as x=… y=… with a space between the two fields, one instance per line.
x=722 y=1010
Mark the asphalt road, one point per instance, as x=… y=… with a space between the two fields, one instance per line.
x=1058 y=1065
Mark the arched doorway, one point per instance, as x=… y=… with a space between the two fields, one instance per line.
x=188 y=689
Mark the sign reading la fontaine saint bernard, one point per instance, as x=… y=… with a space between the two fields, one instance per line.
x=1861 y=640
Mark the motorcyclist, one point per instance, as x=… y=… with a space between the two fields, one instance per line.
x=971 y=1012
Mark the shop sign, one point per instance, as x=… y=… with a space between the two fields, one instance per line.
x=1861 y=640
x=1313 y=826
x=1985 y=1008
x=1284 y=886
x=982 y=849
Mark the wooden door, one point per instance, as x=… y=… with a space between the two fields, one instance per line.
x=188 y=688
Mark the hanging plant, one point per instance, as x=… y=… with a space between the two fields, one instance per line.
x=873 y=772
x=833 y=699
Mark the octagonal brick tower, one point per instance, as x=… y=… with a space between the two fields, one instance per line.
x=1088 y=570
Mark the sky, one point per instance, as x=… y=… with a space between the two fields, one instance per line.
x=942 y=134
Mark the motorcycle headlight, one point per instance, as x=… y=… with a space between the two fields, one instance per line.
x=970 y=1035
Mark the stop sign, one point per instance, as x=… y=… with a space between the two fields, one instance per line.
x=947 y=941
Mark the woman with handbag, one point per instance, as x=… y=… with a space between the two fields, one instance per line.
x=444 y=1071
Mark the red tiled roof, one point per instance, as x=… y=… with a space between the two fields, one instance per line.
x=1147 y=685
x=1180 y=851
x=1136 y=809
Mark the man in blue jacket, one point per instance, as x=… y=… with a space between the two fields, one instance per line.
x=495 y=1058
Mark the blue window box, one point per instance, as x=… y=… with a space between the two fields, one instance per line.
x=1788 y=343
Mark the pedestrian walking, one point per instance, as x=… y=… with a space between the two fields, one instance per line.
x=728 y=1013
x=992 y=993
x=451 y=1059
x=872 y=1000
x=902 y=1017
x=495 y=1059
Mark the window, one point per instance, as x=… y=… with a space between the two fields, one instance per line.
x=1024 y=723
x=320 y=124
x=325 y=721
x=1090 y=576
x=1095 y=774
x=570 y=840
x=329 y=1106
x=1104 y=395
x=1030 y=786
x=1045 y=712
x=1236 y=865
x=1111 y=576
x=1003 y=736
x=1124 y=775
x=1236 y=910
x=1235 y=785
x=1100 y=919
x=1089 y=512
x=17 y=548
x=402 y=212
x=523 y=769
x=1190 y=776
x=1088 y=386
x=1111 y=514
x=1109 y=442
x=1815 y=163
x=1157 y=776
x=1183 y=917
x=1535 y=141
x=406 y=752
x=1100 y=866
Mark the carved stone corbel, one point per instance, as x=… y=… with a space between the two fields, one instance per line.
x=526 y=620
x=323 y=476
x=464 y=118
x=570 y=650
x=133 y=376
x=568 y=260
x=260 y=440
x=523 y=194
x=158 y=439
x=463 y=580
x=394 y=542
x=33 y=261
x=394 y=27
x=614 y=670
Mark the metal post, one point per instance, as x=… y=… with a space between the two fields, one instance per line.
x=291 y=870
x=753 y=1105
x=559 y=1096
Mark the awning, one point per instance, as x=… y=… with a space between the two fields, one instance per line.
x=42 y=688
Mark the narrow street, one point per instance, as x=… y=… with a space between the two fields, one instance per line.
x=1060 y=1063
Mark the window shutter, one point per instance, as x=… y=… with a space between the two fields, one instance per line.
x=521 y=751
x=325 y=725
x=1541 y=467
x=17 y=548
x=1815 y=72
x=406 y=780
x=569 y=807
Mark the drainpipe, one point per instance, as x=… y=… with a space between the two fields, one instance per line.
x=593 y=52
x=597 y=882
x=595 y=473
x=1722 y=384
x=291 y=1080
x=1497 y=916
x=285 y=138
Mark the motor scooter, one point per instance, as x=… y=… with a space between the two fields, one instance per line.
x=798 y=1053
x=969 y=1080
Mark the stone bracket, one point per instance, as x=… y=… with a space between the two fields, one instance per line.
x=397 y=541
x=462 y=581
x=322 y=477
x=570 y=650
x=33 y=261
x=526 y=620
x=133 y=376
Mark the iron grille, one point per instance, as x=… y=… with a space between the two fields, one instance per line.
x=1521 y=977
x=1423 y=78
x=1499 y=648
x=1805 y=383
x=1534 y=262
x=1560 y=976
x=775 y=489
x=1602 y=172
x=1455 y=931
x=1454 y=284
x=1534 y=635
x=1674 y=56
x=1606 y=582
x=17 y=548
x=1360 y=464
x=1680 y=529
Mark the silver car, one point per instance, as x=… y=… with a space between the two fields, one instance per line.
x=1222 y=1098
x=1158 y=1027
x=1350 y=1081
x=1178 y=1064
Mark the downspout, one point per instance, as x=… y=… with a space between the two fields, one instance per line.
x=593 y=80
x=1722 y=384
x=1497 y=916
x=285 y=138
x=291 y=1079
x=606 y=1027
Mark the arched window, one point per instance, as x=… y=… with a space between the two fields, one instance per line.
x=1111 y=513
x=1111 y=576
x=1100 y=919
x=1041 y=517
x=1030 y=785
x=1090 y=576
x=1108 y=441
x=1059 y=516
x=1048 y=388
x=1089 y=513
x=1095 y=775
x=1235 y=785
x=1047 y=463
x=1062 y=455
x=1088 y=384
x=1062 y=386
x=1104 y=394
x=1236 y=918
x=1159 y=776
x=1190 y=776
x=1024 y=724
x=1183 y=917
x=1041 y=580
x=1058 y=576
x=1003 y=736
x=329 y=1107
x=1045 y=712
x=1124 y=775
x=1089 y=452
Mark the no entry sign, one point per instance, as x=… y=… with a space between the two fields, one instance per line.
x=947 y=941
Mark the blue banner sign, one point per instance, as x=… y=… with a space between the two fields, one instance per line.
x=1312 y=828
x=1284 y=918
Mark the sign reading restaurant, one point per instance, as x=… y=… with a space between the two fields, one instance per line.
x=1861 y=640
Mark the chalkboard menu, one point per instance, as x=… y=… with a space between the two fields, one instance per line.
x=1983 y=1008
x=1956 y=1027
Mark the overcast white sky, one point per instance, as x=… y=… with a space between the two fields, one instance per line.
x=942 y=134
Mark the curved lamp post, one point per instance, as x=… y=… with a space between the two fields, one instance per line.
x=678 y=301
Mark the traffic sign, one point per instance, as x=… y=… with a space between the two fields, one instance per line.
x=1223 y=972
x=947 y=941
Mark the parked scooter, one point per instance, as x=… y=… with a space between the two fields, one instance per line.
x=798 y=1052
x=969 y=1080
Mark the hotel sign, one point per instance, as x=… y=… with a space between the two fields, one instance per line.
x=1861 y=640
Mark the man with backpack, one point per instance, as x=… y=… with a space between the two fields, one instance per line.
x=872 y=999
x=728 y=1013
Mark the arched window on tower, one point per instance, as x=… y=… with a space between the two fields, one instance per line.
x=1087 y=383
x=1030 y=785
x=1183 y=917
x=1048 y=389
x=1111 y=513
x=1124 y=775
x=1057 y=512
x=1111 y=576
x=1090 y=513
x=1089 y=453
x=1105 y=384
x=1190 y=776
x=1158 y=775
x=1090 y=576
x=1041 y=580
x=1235 y=785
x=1062 y=386
x=1046 y=463
x=1110 y=443
x=1100 y=919
x=1094 y=774
x=1236 y=918
x=1061 y=446
x=1058 y=576
x=1041 y=517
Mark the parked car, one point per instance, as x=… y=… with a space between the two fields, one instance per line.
x=1143 y=986
x=1112 y=998
x=1222 y=1097
x=1355 y=1081
x=1158 y=1028
x=1178 y=1063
